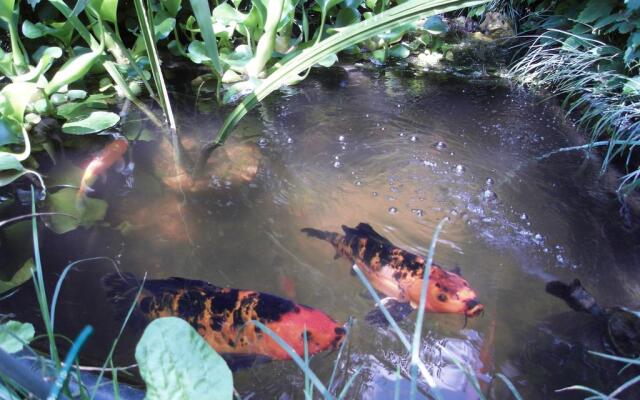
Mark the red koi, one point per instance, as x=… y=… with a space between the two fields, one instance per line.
x=111 y=154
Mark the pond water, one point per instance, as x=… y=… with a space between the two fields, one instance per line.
x=400 y=150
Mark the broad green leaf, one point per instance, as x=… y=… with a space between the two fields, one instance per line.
x=10 y=132
x=13 y=334
x=15 y=97
x=74 y=69
x=328 y=60
x=399 y=51
x=176 y=363
x=9 y=162
x=435 y=25
x=107 y=9
x=326 y=5
x=198 y=53
x=164 y=27
x=45 y=62
x=96 y=121
x=226 y=14
x=267 y=41
x=19 y=277
x=172 y=7
x=6 y=9
x=64 y=201
x=596 y=9
x=347 y=16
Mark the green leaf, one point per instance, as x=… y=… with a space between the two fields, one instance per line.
x=172 y=7
x=96 y=121
x=13 y=334
x=328 y=60
x=14 y=99
x=202 y=12
x=74 y=69
x=596 y=9
x=347 y=16
x=632 y=4
x=10 y=132
x=399 y=51
x=107 y=9
x=176 y=363
x=64 y=201
x=21 y=276
x=9 y=162
x=435 y=25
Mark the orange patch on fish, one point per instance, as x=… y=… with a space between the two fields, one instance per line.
x=112 y=153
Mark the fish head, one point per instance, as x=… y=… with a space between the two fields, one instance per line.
x=451 y=293
x=322 y=332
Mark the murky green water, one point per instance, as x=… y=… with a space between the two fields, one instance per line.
x=399 y=151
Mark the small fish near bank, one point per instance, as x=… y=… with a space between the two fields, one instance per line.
x=399 y=274
x=222 y=316
x=109 y=156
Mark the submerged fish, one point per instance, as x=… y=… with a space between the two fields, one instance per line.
x=399 y=274
x=222 y=316
x=110 y=155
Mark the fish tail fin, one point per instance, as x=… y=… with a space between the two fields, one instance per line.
x=324 y=235
x=121 y=290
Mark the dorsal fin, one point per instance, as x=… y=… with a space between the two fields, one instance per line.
x=365 y=229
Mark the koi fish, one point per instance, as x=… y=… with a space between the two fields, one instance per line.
x=399 y=274
x=111 y=154
x=222 y=316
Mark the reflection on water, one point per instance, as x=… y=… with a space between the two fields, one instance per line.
x=399 y=151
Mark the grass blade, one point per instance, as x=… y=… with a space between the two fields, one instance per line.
x=202 y=12
x=61 y=379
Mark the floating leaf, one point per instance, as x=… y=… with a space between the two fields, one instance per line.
x=15 y=97
x=176 y=363
x=96 y=121
x=399 y=51
x=435 y=25
x=9 y=162
x=13 y=334
x=21 y=276
x=64 y=201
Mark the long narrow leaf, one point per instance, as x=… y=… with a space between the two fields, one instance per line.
x=202 y=12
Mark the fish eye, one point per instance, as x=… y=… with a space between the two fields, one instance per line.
x=442 y=297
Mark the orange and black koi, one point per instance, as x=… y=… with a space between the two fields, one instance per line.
x=398 y=273
x=221 y=315
x=111 y=154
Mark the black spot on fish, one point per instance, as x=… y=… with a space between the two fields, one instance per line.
x=217 y=322
x=224 y=301
x=147 y=305
x=231 y=343
x=190 y=305
x=397 y=275
x=271 y=308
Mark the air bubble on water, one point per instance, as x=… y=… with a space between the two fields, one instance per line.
x=337 y=164
x=402 y=134
x=289 y=140
x=460 y=169
x=336 y=157
x=414 y=138
x=394 y=189
x=393 y=210
x=418 y=211
x=343 y=147
x=454 y=212
x=358 y=183
x=429 y=163
x=263 y=142
x=524 y=217
x=341 y=138
x=559 y=258
x=374 y=194
x=489 y=181
x=440 y=145
x=545 y=250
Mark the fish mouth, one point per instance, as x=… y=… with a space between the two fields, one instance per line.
x=474 y=308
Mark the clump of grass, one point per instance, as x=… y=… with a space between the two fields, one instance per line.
x=588 y=74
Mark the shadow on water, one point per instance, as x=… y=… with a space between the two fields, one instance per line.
x=399 y=150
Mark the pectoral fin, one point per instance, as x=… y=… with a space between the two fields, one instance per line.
x=397 y=309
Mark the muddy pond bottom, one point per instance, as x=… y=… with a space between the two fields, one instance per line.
x=399 y=150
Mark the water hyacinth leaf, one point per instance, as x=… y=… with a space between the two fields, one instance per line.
x=45 y=62
x=399 y=51
x=435 y=25
x=267 y=41
x=172 y=7
x=6 y=9
x=74 y=69
x=21 y=276
x=95 y=122
x=14 y=99
x=197 y=52
x=9 y=162
x=106 y=8
x=14 y=334
x=176 y=363
x=328 y=60
x=347 y=16
x=64 y=201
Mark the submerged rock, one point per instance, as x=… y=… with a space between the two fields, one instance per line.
x=235 y=162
